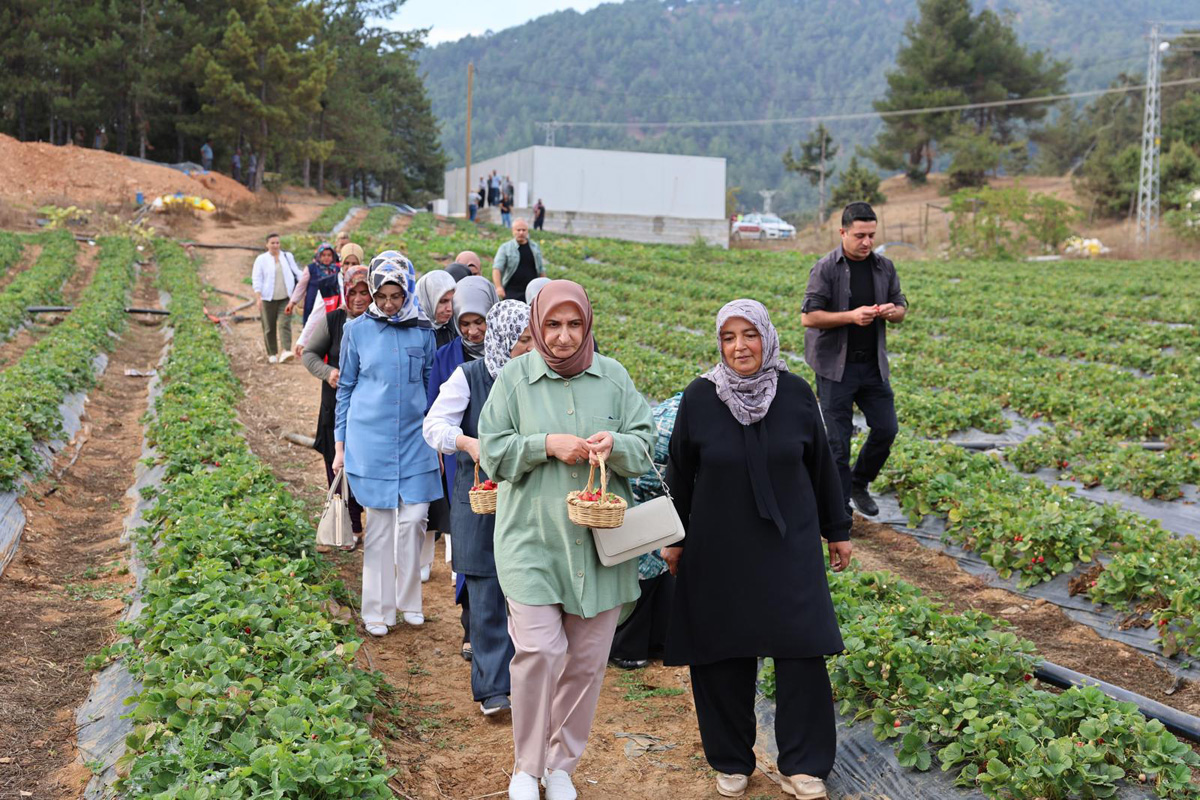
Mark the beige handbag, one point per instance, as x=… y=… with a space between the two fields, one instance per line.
x=334 y=529
x=646 y=528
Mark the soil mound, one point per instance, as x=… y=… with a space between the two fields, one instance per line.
x=36 y=172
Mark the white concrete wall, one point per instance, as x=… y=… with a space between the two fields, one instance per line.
x=579 y=180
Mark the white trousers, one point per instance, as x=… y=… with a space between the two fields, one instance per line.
x=427 y=548
x=393 y=540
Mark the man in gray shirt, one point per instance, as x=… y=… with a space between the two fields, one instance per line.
x=852 y=292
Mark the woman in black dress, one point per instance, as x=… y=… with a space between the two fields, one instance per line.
x=757 y=489
x=320 y=357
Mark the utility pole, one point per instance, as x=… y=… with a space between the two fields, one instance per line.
x=470 y=86
x=1148 y=174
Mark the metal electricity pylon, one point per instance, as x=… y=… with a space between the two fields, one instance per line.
x=550 y=128
x=1148 y=175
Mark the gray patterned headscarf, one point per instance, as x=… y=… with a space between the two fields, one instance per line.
x=748 y=396
x=507 y=320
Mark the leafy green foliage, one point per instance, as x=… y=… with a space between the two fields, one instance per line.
x=378 y=220
x=331 y=216
x=858 y=183
x=959 y=688
x=645 y=60
x=61 y=362
x=939 y=64
x=41 y=282
x=1001 y=223
x=248 y=688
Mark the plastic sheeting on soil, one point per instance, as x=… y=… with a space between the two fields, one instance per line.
x=100 y=729
x=867 y=769
x=12 y=517
x=346 y=219
x=1105 y=620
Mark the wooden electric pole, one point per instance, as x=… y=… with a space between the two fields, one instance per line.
x=470 y=84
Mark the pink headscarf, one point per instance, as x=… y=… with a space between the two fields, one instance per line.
x=553 y=295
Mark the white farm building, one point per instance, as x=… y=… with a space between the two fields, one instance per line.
x=642 y=197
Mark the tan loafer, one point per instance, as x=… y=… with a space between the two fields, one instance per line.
x=731 y=785
x=804 y=787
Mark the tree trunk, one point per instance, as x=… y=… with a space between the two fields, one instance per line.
x=21 y=119
x=307 y=168
x=821 y=185
x=321 y=163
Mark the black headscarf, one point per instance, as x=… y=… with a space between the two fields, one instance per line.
x=458 y=271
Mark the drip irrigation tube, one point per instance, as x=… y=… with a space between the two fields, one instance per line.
x=60 y=309
x=1176 y=721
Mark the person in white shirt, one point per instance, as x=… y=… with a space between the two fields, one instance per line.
x=274 y=278
x=450 y=427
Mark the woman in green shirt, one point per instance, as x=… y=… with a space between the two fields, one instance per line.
x=550 y=413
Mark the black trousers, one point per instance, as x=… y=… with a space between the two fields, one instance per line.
x=861 y=385
x=644 y=634
x=805 y=727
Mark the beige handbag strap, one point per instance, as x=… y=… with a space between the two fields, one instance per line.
x=339 y=481
x=662 y=480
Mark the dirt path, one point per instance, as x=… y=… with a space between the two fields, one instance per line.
x=12 y=350
x=62 y=593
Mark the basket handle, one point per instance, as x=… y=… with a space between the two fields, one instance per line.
x=603 y=478
x=476 y=474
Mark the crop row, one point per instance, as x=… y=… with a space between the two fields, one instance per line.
x=10 y=251
x=1020 y=526
x=377 y=221
x=332 y=216
x=42 y=282
x=248 y=688
x=61 y=362
x=959 y=688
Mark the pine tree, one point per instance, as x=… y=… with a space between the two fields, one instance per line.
x=815 y=154
x=950 y=57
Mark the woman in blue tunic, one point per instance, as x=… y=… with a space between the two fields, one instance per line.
x=386 y=358
x=451 y=426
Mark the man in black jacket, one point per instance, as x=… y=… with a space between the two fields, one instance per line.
x=852 y=292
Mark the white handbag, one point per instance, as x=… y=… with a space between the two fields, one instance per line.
x=334 y=528
x=646 y=528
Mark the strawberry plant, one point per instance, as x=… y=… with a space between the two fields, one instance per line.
x=61 y=362
x=41 y=283
x=247 y=686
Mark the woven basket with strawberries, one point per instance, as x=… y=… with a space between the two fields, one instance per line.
x=483 y=495
x=596 y=509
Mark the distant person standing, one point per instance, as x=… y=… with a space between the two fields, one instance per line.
x=206 y=155
x=237 y=165
x=253 y=169
x=494 y=189
x=483 y=192
x=506 y=188
x=851 y=293
x=506 y=211
x=539 y=215
x=473 y=205
x=100 y=140
x=517 y=262
x=274 y=278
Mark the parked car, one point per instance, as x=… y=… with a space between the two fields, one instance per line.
x=744 y=227
x=761 y=226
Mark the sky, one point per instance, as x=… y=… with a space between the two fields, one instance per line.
x=453 y=19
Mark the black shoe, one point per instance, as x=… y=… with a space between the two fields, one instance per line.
x=467 y=652
x=863 y=502
x=629 y=663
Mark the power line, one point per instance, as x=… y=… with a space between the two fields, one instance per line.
x=906 y=112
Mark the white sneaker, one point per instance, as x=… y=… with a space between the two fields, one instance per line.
x=285 y=355
x=523 y=786
x=558 y=785
x=377 y=629
x=272 y=359
x=414 y=619
x=426 y=571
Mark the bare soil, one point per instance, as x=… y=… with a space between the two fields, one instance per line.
x=62 y=593
x=32 y=173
